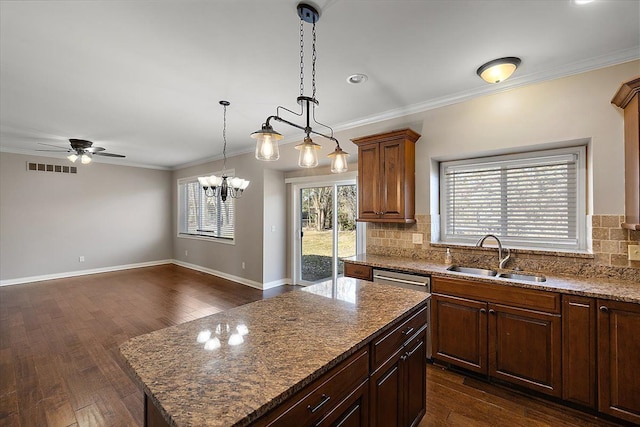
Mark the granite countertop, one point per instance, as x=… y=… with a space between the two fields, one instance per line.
x=232 y=367
x=611 y=289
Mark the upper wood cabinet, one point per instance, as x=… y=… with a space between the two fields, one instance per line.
x=627 y=98
x=386 y=176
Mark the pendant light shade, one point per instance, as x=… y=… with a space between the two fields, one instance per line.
x=308 y=153
x=339 y=160
x=267 y=143
x=498 y=70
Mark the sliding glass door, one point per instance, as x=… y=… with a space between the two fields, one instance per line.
x=326 y=229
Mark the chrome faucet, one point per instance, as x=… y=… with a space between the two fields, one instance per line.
x=502 y=261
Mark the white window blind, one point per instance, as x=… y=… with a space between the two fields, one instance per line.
x=533 y=200
x=204 y=216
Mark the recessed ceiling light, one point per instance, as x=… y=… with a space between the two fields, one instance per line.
x=355 y=79
x=580 y=2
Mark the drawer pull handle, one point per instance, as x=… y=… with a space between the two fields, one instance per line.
x=604 y=308
x=483 y=311
x=492 y=311
x=408 y=331
x=324 y=400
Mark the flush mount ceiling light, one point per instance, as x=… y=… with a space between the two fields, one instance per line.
x=355 y=79
x=224 y=185
x=498 y=70
x=267 y=138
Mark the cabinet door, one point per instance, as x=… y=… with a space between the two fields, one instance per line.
x=619 y=359
x=525 y=348
x=387 y=394
x=459 y=332
x=579 y=350
x=369 y=181
x=392 y=179
x=352 y=411
x=415 y=373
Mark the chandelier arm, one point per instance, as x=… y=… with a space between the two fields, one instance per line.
x=292 y=112
x=322 y=124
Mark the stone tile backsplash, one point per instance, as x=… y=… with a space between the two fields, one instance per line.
x=609 y=247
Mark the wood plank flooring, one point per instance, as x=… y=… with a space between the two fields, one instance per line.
x=60 y=366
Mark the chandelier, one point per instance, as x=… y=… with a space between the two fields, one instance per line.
x=267 y=138
x=224 y=185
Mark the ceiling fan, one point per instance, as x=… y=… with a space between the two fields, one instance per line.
x=83 y=150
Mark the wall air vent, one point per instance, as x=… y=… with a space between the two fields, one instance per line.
x=42 y=167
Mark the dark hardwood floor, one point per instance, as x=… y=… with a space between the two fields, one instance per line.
x=60 y=366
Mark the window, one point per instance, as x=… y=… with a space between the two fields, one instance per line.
x=202 y=216
x=528 y=200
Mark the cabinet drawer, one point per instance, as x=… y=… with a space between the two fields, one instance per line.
x=323 y=395
x=389 y=343
x=501 y=294
x=358 y=271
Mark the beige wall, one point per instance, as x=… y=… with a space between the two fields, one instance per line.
x=112 y=215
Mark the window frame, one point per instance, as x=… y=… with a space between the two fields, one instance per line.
x=181 y=223
x=534 y=157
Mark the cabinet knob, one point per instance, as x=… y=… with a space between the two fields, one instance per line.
x=492 y=311
x=604 y=308
x=483 y=311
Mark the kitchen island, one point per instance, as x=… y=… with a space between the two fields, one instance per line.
x=255 y=362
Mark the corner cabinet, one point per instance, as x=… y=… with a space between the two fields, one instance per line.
x=386 y=176
x=627 y=99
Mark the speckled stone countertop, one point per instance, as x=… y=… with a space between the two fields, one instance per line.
x=591 y=287
x=230 y=368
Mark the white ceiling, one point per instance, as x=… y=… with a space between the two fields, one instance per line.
x=143 y=78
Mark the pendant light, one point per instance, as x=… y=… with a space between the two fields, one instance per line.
x=223 y=186
x=267 y=138
x=498 y=70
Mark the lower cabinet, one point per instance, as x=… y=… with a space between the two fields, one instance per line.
x=398 y=386
x=508 y=335
x=619 y=359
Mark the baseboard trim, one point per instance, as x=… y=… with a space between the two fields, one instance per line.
x=217 y=273
x=44 y=277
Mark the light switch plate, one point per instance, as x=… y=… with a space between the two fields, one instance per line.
x=634 y=252
x=417 y=238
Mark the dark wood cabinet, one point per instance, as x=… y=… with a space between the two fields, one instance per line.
x=619 y=359
x=579 y=350
x=358 y=271
x=386 y=176
x=397 y=383
x=460 y=334
x=525 y=348
x=510 y=334
x=398 y=387
x=627 y=99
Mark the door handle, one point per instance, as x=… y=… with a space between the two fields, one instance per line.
x=492 y=311
x=604 y=308
x=324 y=399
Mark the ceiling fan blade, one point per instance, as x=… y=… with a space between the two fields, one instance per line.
x=51 y=145
x=108 y=154
x=94 y=150
x=57 y=151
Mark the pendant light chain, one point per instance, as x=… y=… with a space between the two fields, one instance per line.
x=313 y=62
x=224 y=138
x=301 y=57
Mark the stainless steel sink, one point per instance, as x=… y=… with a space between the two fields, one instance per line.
x=472 y=270
x=526 y=277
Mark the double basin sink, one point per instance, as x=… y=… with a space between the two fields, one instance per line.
x=493 y=273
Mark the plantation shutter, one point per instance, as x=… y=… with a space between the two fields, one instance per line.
x=530 y=200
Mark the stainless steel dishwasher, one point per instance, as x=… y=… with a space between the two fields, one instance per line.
x=418 y=282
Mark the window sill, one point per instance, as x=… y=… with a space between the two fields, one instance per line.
x=206 y=238
x=553 y=252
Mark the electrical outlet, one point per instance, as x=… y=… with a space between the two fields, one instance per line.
x=81 y=258
x=243 y=265
x=273 y=228
x=634 y=252
x=417 y=238
x=186 y=253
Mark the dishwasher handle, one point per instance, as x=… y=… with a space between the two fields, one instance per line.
x=393 y=279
